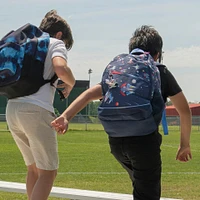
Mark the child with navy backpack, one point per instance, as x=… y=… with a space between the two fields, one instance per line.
x=132 y=103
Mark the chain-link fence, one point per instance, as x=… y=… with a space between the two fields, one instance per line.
x=86 y=122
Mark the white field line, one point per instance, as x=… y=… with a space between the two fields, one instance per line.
x=102 y=173
x=109 y=173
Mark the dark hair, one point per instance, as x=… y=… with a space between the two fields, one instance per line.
x=53 y=23
x=147 y=39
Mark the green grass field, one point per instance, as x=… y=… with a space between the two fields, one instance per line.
x=86 y=163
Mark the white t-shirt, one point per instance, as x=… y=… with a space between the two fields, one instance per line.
x=45 y=95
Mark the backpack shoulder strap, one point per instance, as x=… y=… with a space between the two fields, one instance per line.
x=53 y=79
x=162 y=68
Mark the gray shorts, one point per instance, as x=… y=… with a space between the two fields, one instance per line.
x=31 y=129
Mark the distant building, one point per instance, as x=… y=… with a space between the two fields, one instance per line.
x=173 y=116
x=3 y=103
x=195 y=109
x=80 y=86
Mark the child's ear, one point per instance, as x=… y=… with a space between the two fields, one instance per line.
x=58 y=35
x=157 y=56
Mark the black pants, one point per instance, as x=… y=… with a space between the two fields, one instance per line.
x=140 y=156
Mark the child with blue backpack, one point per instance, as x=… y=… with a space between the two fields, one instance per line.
x=131 y=110
x=30 y=108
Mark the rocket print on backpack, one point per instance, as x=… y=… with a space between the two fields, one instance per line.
x=132 y=93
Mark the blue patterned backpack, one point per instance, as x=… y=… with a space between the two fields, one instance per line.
x=22 y=57
x=132 y=103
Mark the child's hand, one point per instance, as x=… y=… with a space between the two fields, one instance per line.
x=60 y=124
x=184 y=154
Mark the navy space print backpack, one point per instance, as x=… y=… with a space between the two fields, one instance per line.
x=132 y=103
x=22 y=57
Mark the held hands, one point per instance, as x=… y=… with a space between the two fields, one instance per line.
x=60 y=124
x=184 y=154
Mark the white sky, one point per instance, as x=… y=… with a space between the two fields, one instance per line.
x=102 y=29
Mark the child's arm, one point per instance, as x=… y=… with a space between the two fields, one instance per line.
x=182 y=107
x=61 y=123
x=64 y=73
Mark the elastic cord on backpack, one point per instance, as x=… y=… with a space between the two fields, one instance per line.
x=53 y=79
x=137 y=51
x=62 y=97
